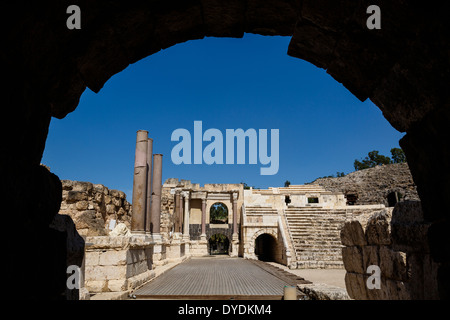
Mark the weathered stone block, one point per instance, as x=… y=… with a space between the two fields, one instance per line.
x=370 y=256
x=353 y=259
x=396 y=290
x=67 y=184
x=136 y=268
x=96 y=285
x=117 y=201
x=430 y=278
x=92 y=258
x=393 y=264
x=356 y=286
x=82 y=205
x=410 y=237
x=110 y=209
x=352 y=234
x=407 y=212
x=121 y=212
x=117 y=193
x=98 y=197
x=118 y=285
x=82 y=186
x=76 y=196
x=107 y=199
x=378 y=230
x=134 y=256
x=113 y=258
x=105 y=272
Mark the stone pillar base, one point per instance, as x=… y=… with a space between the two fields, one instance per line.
x=234 y=248
x=203 y=237
x=177 y=236
x=235 y=237
x=157 y=237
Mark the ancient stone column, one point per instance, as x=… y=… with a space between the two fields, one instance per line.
x=139 y=184
x=149 y=185
x=176 y=227
x=203 y=235
x=181 y=217
x=186 y=215
x=234 y=200
x=155 y=218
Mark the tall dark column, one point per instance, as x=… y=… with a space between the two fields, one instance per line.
x=234 y=201
x=139 y=184
x=155 y=219
x=186 y=215
x=149 y=185
x=177 y=221
x=181 y=217
x=203 y=235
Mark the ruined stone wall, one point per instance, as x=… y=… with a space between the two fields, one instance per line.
x=92 y=206
x=396 y=242
x=374 y=184
x=167 y=211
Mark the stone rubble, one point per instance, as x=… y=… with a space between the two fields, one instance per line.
x=93 y=206
x=374 y=184
x=394 y=241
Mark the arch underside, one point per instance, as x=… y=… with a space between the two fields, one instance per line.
x=330 y=34
x=403 y=68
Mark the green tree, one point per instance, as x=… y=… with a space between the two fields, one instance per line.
x=218 y=213
x=340 y=174
x=373 y=159
x=246 y=186
x=398 y=155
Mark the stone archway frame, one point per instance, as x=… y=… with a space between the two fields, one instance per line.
x=402 y=68
x=251 y=244
x=210 y=207
x=224 y=234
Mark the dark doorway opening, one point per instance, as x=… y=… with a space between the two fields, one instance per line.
x=265 y=247
x=218 y=213
x=218 y=244
x=393 y=198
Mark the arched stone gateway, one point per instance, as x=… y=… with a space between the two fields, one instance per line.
x=402 y=68
x=266 y=247
x=218 y=244
x=263 y=245
x=218 y=213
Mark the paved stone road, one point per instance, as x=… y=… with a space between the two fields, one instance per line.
x=216 y=278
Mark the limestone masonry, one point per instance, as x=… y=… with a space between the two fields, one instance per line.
x=93 y=206
x=318 y=225
x=374 y=185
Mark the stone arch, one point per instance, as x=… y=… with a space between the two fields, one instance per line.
x=224 y=247
x=401 y=68
x=266 y=247
x=251 y=243
x=272 y=232
x=218 y=213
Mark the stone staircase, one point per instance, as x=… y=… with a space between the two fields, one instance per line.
x=315 y=235
x=293 y=189
x=256 y=210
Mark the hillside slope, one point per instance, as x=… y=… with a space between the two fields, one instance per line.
x=373 y=185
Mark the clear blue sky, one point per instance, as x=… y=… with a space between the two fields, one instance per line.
x=226 y=84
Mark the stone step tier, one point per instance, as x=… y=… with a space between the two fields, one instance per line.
x=315 y=234
x=260 y=210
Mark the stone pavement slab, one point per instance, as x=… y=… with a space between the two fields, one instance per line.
x=216 y=278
